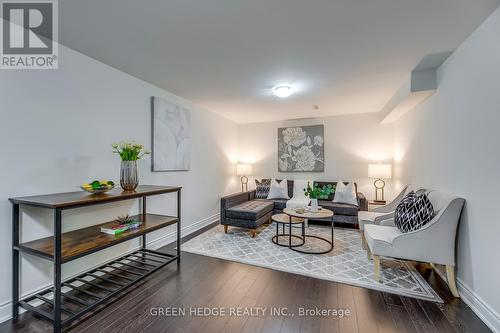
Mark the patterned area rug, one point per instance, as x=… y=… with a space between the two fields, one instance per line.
x=347 y=263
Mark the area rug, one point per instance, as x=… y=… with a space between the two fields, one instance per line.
x=347 y=263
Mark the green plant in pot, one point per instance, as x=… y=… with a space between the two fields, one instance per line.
x=318 y=192
x=129 y=153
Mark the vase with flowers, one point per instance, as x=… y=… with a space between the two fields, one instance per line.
x=129 y=153
x=317 y=192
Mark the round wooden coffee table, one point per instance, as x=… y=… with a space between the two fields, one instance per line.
x=321 y=214
x=283 y=219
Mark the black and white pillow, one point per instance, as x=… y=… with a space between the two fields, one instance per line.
x=413 y=212
x=262 y=188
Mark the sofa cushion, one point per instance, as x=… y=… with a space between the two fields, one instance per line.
x=278 y=190
x=334 y=184
x=369 y=217
x=339 y=208
x=413 y=212
x=365 y=217
x=321 y=184
x=278 y=203
x=250 y=210
x=298 y=189
x=377 y=235
x=262 y=188
x=290 y=187
x=250 y=224
x=345 y=193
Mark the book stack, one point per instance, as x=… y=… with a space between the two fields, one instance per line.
x=117 y=229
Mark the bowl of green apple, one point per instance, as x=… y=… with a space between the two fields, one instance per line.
x=98 y=186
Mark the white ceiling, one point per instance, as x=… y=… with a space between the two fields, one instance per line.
x=346 y=56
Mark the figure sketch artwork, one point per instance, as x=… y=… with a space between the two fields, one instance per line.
x=171 y=136
x=301 y=148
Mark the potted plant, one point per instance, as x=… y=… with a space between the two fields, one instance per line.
x=316 y=192
x=129 y=152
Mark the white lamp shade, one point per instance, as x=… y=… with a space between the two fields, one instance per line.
x=243 y=169
x=380 y=171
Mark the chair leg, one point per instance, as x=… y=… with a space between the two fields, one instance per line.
x=225 y=228
x=368 y=254
x=452 y=284
x=253 y=232
x=376 y=268
x=363 y=241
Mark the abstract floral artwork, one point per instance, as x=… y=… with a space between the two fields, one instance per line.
x=301 y=148
x=171 y=136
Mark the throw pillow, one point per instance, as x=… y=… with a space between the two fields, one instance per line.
x=345 y=193
x=278 y=190
x=413 y=212
x=298 y=189
x=262 y=188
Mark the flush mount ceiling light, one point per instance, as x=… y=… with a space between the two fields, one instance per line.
x=283 y=91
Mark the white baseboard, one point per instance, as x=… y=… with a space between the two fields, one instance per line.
x=489 y=316
x=193 y=227
x=476 y=303
x=6 y=307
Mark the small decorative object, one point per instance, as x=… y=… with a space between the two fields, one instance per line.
x=316 y=192
x=243 y=170
x=98 y=186
x=300 y=210
x=171 y=136
x=124 y=219
x=379 y=171
x=129 y=152
x=120 y=225
x=301 y=148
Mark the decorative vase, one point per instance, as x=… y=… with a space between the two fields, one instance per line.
x=314 y=205
x=128 y=175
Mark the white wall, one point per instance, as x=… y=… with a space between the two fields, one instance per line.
x=351 y=142
x=451 y=142
x=57 y=127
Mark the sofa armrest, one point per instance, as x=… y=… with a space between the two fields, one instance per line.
x=379 y=219
x=232 y=200
x=362 y=203
x=388 y=222
x=389 y=208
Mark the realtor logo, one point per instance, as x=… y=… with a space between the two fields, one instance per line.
x=29 y=35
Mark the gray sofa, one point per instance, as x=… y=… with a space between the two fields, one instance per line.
x=245 y=211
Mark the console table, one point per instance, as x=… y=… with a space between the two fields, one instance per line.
x=88 y=290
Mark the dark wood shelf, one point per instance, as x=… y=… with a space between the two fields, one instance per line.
x=82 y=198
x=64 y=247
x=81 y=242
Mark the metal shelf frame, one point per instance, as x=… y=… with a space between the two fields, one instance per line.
x=98 y=285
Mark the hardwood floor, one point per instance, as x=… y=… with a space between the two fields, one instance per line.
x=208 y=282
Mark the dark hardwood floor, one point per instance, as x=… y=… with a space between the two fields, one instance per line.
x=207 y=282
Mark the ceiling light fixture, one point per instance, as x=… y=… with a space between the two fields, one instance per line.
x=283 y=91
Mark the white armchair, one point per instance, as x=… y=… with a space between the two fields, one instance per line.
x=434 y=243
x=379 y=214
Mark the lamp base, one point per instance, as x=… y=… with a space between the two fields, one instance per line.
x=379 y=185
x=244 y=184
